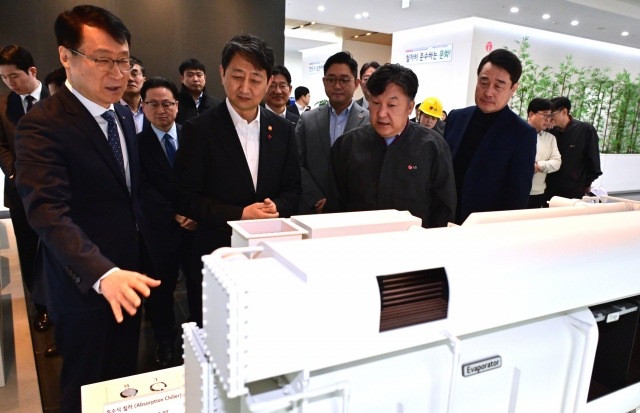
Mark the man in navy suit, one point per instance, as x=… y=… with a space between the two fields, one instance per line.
x=236 y=160
x=171 y=234
x=18 y=72
x=78 y=175
x=277 y=98
x=493 y=148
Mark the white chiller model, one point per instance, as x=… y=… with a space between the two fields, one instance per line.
x=487 y=318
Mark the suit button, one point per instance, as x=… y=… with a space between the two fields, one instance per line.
x=77 y=280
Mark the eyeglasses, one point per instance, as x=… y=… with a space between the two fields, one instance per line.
x=135 y=73
x=104 y=64
x=281 y=86
x=165 y=104
x=553 y=113
x=331 y=81
x=547 y=116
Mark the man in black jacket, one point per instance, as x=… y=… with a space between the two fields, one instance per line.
x=578 y=146
x=193 y=97
x=393 y=163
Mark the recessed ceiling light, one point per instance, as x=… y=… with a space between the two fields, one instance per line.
x=625 y=33
x=369 y=34
x=356 y=36
x=575 y=23
x=514 y=10
x=545 y=16
x=365 y=14
x=313 y=22
x=358 y=16
x=321 y=8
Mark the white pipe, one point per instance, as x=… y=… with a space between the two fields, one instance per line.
x=590 y=344
x=456 y=344
x=288 y=401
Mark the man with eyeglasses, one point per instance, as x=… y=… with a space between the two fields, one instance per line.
x=319 y=128
x=366 y=71
x=277 y=98
x=193 y=95
x=578 y=145
x=79 y=177
x=171 y=234
x=131 y=98
x=548 y=158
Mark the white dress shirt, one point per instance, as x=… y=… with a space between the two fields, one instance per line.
x=282 y=115
x=96 y=111
x=301 y=108
x=249 y=134
x=173 y=132
x=36 y=94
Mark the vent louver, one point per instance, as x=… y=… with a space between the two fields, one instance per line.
x=413 y=298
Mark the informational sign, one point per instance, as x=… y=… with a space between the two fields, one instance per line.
x=430 y=54
x=481 y=366
x=316 y=67
x=171 y=401
x=489 y=47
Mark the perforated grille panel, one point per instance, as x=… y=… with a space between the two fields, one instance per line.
x=413 y=298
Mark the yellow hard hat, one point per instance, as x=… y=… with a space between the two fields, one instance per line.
x=432 y=106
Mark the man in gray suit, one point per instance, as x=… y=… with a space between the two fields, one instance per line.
x=319 y=128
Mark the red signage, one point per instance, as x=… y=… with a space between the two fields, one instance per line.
x=489 y=46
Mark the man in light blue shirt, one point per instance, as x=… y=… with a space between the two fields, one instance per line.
x=172 y=234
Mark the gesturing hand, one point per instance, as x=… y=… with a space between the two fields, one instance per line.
x=121 y=288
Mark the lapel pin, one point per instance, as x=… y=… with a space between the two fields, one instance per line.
x=269 y=136
x=359 y=116
x=269 y=128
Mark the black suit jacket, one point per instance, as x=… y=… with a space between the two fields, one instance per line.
x=187 y=108
x=77 y=200
x=213 y=183
x=11 y=110
x=156 y=174
x=293 y=109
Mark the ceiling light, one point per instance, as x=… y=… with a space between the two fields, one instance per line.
x=545 y=16
x=625 y=33
x=369 y=34
x=356 y=36
x=321 y=8
x=313 y=22
x=575 y=23
x=358 y=16
x=365 y=14
x=514 y=10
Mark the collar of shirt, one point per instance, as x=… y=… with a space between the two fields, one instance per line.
x=36 y=93
x=365 y=103
x=237 y=119
x=199 y=99
x=282 y=115
x=173 y=132
x=394 y=139
x=93 y=108
x=344 y=112
x=139 y=112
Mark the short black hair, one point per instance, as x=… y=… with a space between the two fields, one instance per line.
x=18 y=56
x=300 y=92
x=393 y=73
x=418 y=105
x=342 y=58
x=538 y=104
x=559 y=103
x=368 y=65
x=56 y=77
x=281 y=70
x=136 y=61
x=252 y=48
x=505 y=60
x=68 y=25
x=193 y=64
x=156 y=82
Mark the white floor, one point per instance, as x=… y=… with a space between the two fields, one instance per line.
x=21 y=392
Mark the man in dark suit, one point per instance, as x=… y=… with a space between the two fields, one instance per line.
x=366 y=71
x=493 y=148
x=236 y=161
x=18 y=72
x=193 y=95
x=277 y=98
x=319 y=128
x=303 y=97
x=78 y=174
x=131 y=98
x=171 y=234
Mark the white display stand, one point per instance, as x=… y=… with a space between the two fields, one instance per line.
x=252 y=232
x=153 y=392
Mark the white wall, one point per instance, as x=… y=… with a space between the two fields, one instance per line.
x=293 y=63
x=314 y=80
x=366 y=52
x=449 y=81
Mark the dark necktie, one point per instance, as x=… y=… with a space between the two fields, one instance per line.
x=114 y=138
x=29 y=100
x=168 y=146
